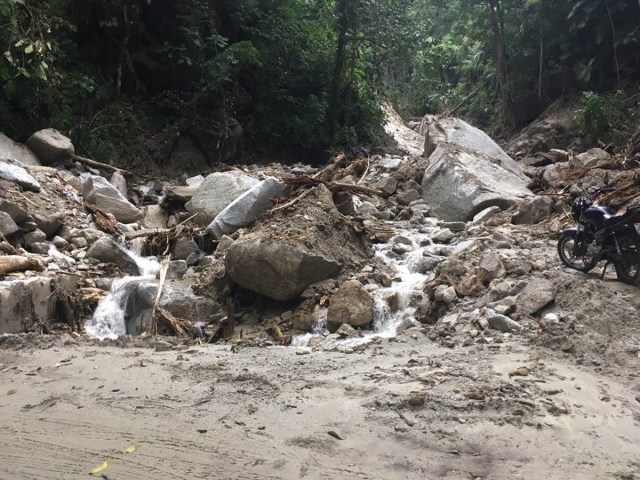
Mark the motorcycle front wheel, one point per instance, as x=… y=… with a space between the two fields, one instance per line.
x=628 y=267
x=574 y=252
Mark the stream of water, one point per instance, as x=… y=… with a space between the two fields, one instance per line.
x=108 y=321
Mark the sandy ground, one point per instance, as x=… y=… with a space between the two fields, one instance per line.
x=400 y=409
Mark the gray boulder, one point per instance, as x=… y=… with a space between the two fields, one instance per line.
x=491 y=267
x=50 y=146
x=453 y=131
x=118 y=181
x=184 y=247
x=276 y=269
x=591 y=157
x=15 y=211
x=7 y=226
x=244 y=210
x=106 y=250
x=16 y=151
x=154 y=216
x=24 y=303
x=216 y=192
x=351 y=305
x=16 y=174
x=458 y=183
x=534 y=210
x=535 y=296
x=99 y=192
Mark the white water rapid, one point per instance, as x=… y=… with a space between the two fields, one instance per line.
x=407 y=285
x=108 y=321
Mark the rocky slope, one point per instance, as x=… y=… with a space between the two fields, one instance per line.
x=479 y=348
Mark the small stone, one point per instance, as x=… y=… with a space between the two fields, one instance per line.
x=551 y=318
x=439 y=293
x=60 y=243
x=443 y=236
x=192 y=259
x=416 y=400
x=347 y=331
x=449 y=295
x=7 y=226
x=37 y=236
x=503 y=323
x=405 y=198
x=177 y=269
x=162 y=346
x=79 y=242
x=185 y=247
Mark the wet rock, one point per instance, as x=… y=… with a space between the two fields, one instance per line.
x=534 y=210
x=492 y=267
x=99 y=192
x=154 y=216
x=24 y=303
x=16 y=151
x=7 y=226
x=591 y=157
x=184 y=247
x=458 y=184
x=352 y=305
x=177 y=269
x=443 y=236
x=120 y=183
x=244 y=210
x=536 y=295
x=503 y=323
x=216 y=192
x=347 y=331
x=16 y=174
x=108 y=251
x=50 y=146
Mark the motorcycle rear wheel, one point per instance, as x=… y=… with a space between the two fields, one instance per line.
x=628 y=269
x=570 y=250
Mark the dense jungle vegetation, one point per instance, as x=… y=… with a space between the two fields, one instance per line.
x=248 y=78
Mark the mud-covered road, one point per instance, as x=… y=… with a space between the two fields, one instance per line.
x=401 y=409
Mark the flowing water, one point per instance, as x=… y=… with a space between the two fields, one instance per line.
x=108 y=321
x=407 y=286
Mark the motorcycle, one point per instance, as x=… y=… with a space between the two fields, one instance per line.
x=602 y=235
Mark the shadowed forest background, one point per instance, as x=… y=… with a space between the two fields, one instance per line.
x=134 y=82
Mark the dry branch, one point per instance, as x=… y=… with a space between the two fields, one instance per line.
x=104 y=166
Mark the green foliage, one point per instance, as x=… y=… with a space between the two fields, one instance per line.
x=593 y=116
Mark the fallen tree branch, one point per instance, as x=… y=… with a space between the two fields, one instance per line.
x=291 y=203
x=105 y=220
x=104 y=166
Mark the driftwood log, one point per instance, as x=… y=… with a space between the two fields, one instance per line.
x=17 y=263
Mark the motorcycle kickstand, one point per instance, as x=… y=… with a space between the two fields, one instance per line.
x=604 y=270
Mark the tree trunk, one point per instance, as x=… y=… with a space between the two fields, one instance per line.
x=339 y=70
x=497 y=24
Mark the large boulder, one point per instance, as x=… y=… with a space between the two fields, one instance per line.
x=216 y=192
x=459 y=183
x=50 y=146
x=16 y=174
x=282 y=259
x=453 y=131
x=245 y=209
x=16 y=151
x=106 y=250
x=351 y=304
x=24 y=303
x=101 y=193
